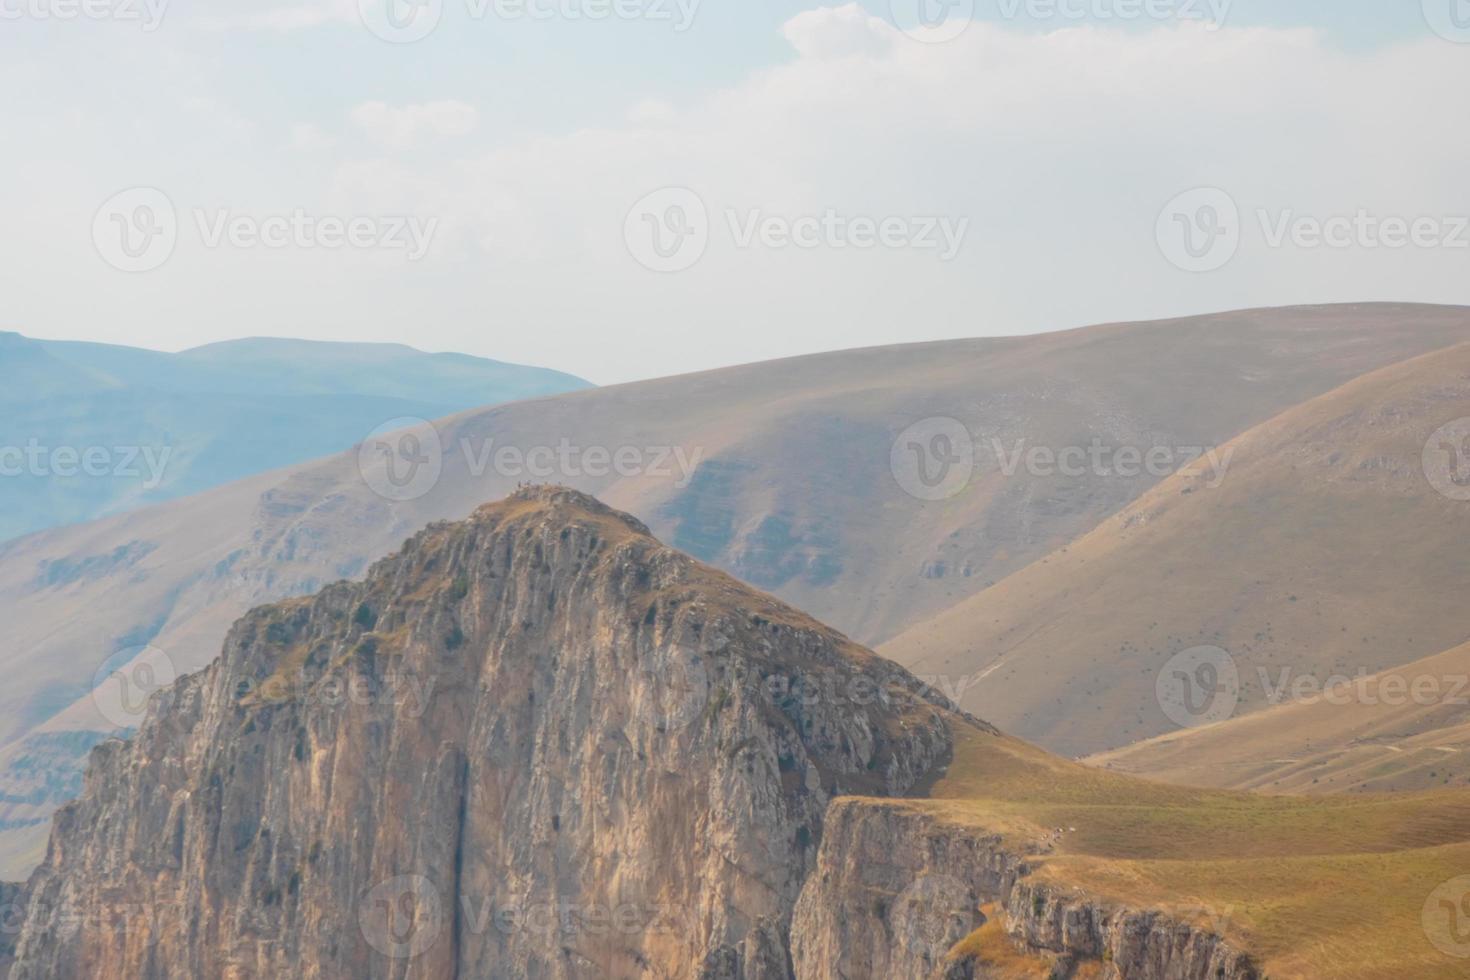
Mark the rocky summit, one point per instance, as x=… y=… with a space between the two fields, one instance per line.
x=536 y=743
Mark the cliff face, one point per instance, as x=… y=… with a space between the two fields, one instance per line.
x=895 y=889
x=534 y=744
x=12 y=917
x=538 y=744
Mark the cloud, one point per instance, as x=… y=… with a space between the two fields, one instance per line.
x=1060 y=147
x=652 y=112
x=286 y=18
x=837 y=32
x=405 y=126
x=309 y=138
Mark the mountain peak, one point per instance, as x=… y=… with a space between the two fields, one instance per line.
x=561 y=502
x=538 y=707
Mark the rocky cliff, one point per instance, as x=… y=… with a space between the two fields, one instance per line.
x=539 y=744
x=533 y=744
x=897 y=890
x=12 y=917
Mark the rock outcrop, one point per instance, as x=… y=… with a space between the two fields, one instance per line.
x=897 y=888
x=539 y=744
x=12 y=917
x=533 y=744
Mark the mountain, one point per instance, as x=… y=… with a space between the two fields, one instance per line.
x=539 y=708
x=1404 y=729
x=537 y=743
x=1325 y=551
x=88 y=430
x=785 y=474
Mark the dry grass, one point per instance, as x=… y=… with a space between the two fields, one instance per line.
x=1362 y=738
x=1323 y=888
x=1323 y=552
x=998 y=953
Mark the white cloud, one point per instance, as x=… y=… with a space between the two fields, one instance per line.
x=401 y=127
x=286 y=18
x=1060 y=147
x=652 y=112
x=837 y=32
x=309 y=138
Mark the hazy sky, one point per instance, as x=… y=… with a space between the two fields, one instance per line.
x=629 y=188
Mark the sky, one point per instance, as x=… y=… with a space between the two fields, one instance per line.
x=625 y=189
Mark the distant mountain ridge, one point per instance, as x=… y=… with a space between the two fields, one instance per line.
x=1326 y=552
x=89 y=430
x=795 y=491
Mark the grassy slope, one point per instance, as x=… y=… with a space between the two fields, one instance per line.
x=1375 y=734
x=1324 y=552
x=1322 y=888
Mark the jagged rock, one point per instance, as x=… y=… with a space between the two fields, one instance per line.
x=12 y=916
x=895 y=888
x=538 y=744
x=533 y=744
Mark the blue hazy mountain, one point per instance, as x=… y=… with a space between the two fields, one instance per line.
x=88 y=430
